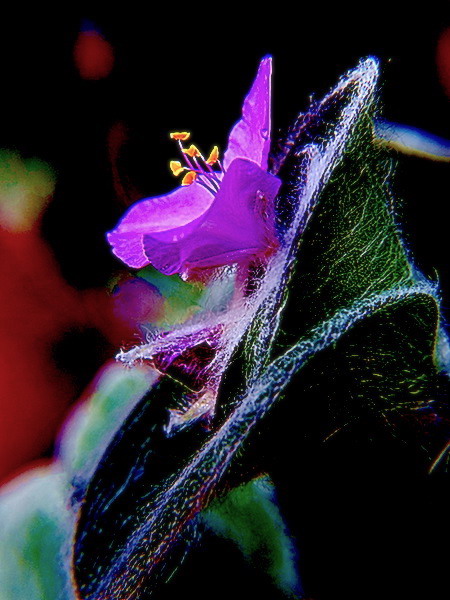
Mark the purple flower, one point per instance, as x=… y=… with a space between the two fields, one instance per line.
x=222 y=213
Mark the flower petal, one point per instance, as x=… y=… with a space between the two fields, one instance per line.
x=250 y=137
x=176 y=214
x=239 y=223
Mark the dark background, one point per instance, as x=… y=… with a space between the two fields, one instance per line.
x=189 y=69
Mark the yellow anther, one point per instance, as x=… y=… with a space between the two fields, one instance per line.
x=180 y=135
x=192 y=151
x=189 y=178
x=213 y=157
x=176 y=168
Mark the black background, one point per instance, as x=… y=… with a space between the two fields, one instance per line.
x=189 y=68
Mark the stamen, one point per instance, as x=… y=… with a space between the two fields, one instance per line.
x=198 y=168
x=189 y=178
x=213 y=157
x=192 y=151
x=176 y=167
x=180 y=135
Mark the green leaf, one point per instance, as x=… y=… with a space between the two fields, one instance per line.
x=115 y=391
x=34 y=533
x=352 y=249
x=250 y=517
x=182 y=299
x=25 y=189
